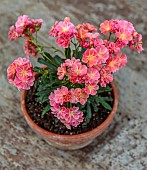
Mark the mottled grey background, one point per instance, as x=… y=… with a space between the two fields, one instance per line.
x=124 y=145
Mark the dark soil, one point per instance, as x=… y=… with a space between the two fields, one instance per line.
x=49 y=122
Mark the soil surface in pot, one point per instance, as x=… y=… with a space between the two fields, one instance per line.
x=52 y=124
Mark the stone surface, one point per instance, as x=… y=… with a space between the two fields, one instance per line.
x=124 y=145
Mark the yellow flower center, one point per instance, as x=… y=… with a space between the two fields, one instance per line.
x=107 y=27
x=112 y=63
x=23 y=73
x=90 y=87
x=90 y=58
x=123 y=36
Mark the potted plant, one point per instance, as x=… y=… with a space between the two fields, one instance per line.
x=71 y=99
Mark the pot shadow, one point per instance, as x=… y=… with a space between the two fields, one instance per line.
x=111 y=132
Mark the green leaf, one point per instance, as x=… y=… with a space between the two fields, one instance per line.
x=55 y=59
x=95 y=106
x=104 y=89
x=88 y=113
x=68 y=52
x=107 y=99
x=42 y=98
x=56 y=120
x=88 y=116
x=105 y=104
x=38 y=69
x=80 y=53
x=58 y=60
x=46 y=109
x=47 y=63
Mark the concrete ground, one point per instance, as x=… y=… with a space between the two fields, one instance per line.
x=124 y=145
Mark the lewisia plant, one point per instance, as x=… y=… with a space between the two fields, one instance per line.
x=69 y=85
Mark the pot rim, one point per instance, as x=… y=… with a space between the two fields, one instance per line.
x=88 y=133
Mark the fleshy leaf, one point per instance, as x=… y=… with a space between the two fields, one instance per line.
x=46 y=109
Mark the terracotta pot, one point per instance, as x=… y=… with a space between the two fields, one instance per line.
x=70 y=142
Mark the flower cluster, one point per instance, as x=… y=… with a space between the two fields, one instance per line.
x=69 y=116
x=81 y=74
x=25 y=27
x=89 y=62
x=20 y=73
x=124 y=32
x=64 y=31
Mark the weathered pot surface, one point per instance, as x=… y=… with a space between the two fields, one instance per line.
x=69 y=142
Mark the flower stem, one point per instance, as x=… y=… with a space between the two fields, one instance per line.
x=109 y=36
x=45 y=56
x=36 y=36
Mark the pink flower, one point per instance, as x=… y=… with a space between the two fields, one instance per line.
x=24 y=73
x=136 y=43
x=91 y=39
x=61 y=71
x=22 y=23
x=64 y=31
x=53 y=32
x=98 y=42
x=124 y=35
x=12 y=35
x=33 y=26
x=26 y=26
x=75 y=94
x=88 y=27
x=24 y=85
x=85 y=36
x=92 y=75
x=37 y=23
x=73 y=69
x=114 y=25
x=30 y=48
x=66 y=28
x=63 y=41
x=59 y=112
x=61 y=95
x=121 y=44
x=73 y=117
x=76 y=79
x=67 y=19
x=20 y=74
x=90 y=57
x=78 y=95
x=81 y=35
x=91 y=88
x=22 y=61
x=83 y=97
x=113 y=48
x=70 y=62
x=105 y=77
x=105 y=27
x=68 y=116
x=122 y=59
x=84 y=43
x=51 y=98
x=112 y=64
x=102 y=53
x=78 y=70
x=11 y=72
x=98 y=67
x=125 y=25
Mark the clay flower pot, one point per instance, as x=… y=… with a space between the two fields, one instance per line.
x=69 y=142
